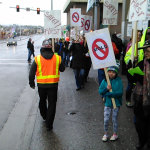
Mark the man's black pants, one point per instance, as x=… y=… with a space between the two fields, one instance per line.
x=142 y=120
x=48 y=113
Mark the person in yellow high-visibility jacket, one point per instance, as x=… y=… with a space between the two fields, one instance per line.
x=46 y=67
x=141 y=97
x=130 y=85
x=128 y=62
x=127 y=57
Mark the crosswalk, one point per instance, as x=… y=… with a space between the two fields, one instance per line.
x=14 y=62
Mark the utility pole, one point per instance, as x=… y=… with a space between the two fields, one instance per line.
x=95 y=15
x=51 y=4
x=125 y=9
x=20 y=30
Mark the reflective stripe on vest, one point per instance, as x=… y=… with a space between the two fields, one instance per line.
x=47 y=69
x=136 y=70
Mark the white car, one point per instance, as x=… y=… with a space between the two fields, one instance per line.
x=11 y=41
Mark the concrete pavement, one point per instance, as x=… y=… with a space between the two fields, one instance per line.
x=81 y=131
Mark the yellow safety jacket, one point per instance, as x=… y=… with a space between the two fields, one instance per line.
x=47 y=69
x=127 y=57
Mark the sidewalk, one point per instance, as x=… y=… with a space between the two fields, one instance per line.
x=25 y=129
x=84 y=129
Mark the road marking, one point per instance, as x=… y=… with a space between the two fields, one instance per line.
x=13 y=59
x=14 y=63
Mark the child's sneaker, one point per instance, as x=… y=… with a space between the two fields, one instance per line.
x=114 y=137
x=105 y=138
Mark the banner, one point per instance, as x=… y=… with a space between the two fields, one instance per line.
x=100 y=48
x=138 y=10
x=110 y=12
x=52 y=24
x=89 y=5
x=75 y=17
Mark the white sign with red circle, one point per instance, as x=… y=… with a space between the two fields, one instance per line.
x=75 y=16
x=100 y=48
x=86 y=23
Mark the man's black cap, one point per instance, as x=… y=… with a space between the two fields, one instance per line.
x=146 y=44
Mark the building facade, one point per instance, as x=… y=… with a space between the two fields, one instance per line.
x=83 y=5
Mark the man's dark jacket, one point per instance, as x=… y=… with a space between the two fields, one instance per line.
x=78 y=54
x=29 y=45
x=47 y=53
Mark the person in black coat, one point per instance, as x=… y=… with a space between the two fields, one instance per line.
x=29 y=46
x=88 y=63
x=78 y=63
x=32 y=49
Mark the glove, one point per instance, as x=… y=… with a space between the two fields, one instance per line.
x=129 y=65
x=33 y=87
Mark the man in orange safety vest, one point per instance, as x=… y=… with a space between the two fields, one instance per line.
x=46 y=67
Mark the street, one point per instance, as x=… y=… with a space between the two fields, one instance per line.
x=78 y=123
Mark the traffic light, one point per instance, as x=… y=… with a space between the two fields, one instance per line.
x=38 y=10
x=17 y=8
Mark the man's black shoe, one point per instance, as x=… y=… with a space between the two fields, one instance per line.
x=139 y=146
x=78 y=89
x=49 y=128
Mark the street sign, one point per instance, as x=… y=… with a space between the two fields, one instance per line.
x=27 y=9
x=100 y=48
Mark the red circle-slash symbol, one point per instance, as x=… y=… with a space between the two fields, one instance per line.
x=75 y=17
x=82 y=22
x=87 y=25
x=103 y=49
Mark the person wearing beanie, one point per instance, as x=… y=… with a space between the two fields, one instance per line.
x=117 y=92
x=46 y=67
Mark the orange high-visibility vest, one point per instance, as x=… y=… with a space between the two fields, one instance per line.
x=47 y=69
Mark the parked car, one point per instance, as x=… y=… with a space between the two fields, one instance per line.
x=11 y=41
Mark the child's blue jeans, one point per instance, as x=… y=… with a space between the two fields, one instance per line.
x=107 y=113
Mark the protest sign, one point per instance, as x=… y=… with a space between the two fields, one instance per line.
x=148 y=10
x=101 y=52
x=145 y=25
x=86 y=23
x=100 y=48
x=75 y=17
x=74 y=34
x=110 y=12
x=138 y=10
x=52 y=24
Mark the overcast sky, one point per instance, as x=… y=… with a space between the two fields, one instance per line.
x=10 y=16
